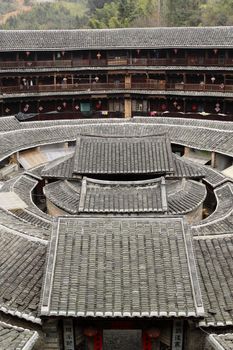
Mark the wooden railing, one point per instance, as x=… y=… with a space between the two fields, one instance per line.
x=119 y=61
x=33 y=64
x=151 y=85
x=73 y=115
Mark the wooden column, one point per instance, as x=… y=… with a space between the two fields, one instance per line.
x=128 y=107
x=128 y=81
x=184 y=78
x=186 y=151
x=213 y=159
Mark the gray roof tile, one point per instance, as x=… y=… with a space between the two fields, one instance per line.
x=123 y=155
x=189 y=37
x=149 y=196
x=16 y=338
x=184 y=196
x=221 y=341
x=214 y=259
x=221 y=220
x=191 y=133
x=121 y=267
x=21 y=269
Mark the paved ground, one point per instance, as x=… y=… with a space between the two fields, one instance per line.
x=122 y=340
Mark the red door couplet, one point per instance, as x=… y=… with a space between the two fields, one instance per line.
x=98 y=341
x=146 y=341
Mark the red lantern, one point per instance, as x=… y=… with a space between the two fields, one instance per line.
x=194 y=108
x=90 y=332
x=164 y=107
x=153 y=333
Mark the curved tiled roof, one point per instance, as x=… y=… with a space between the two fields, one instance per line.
x=31 y=241
x=221 y=220
x=189 y=37
x=199 y=136
x=150 y=196
x=23 y=186
x=97 y=196
x=64 y=195
x=25 y=228
x=185 y=197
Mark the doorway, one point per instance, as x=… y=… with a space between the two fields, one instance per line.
x=122 y=339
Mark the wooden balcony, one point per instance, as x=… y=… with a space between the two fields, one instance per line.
x=119 y=61
x=62 y=88
x=151 y=85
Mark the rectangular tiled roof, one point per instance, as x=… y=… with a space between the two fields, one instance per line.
x=126 y=267
x=118 y=197
x=123 y=155
x=190 y=37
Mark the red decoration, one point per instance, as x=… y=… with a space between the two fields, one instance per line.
x=98 y=341
x=164 y=107
x=153 y=333
x=147 y=344
x=194 y=108
x=98 y=105
x=90 y=332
